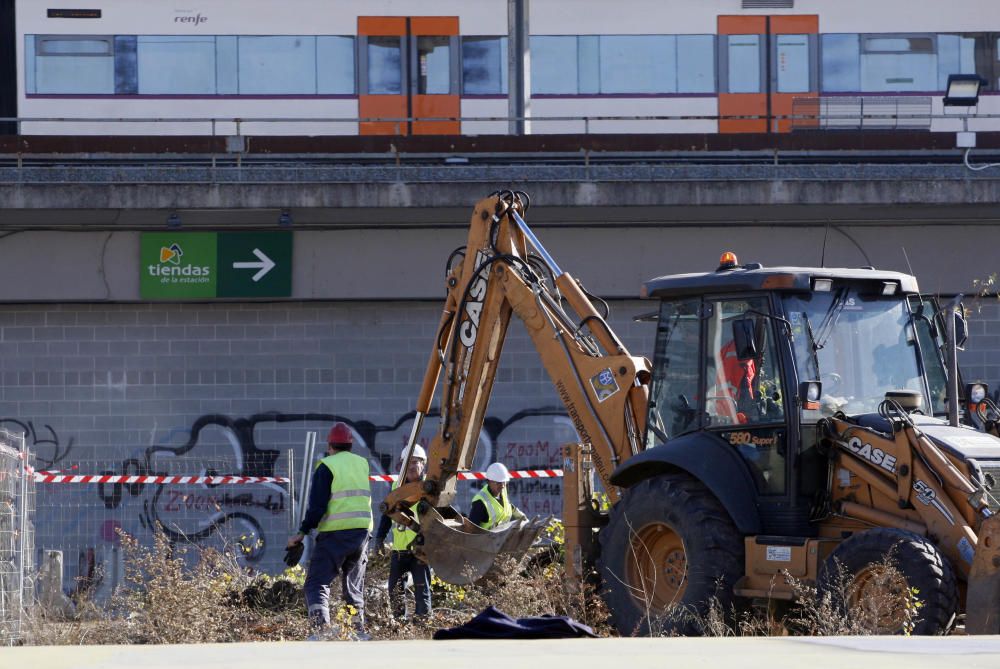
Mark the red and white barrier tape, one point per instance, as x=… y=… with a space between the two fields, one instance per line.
x=52 y=477
x=481 y=476
x=56 y=477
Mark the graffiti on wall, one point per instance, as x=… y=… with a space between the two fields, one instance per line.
x=44 y=442
x=252 y=521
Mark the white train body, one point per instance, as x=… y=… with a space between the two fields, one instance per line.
x=357 y=67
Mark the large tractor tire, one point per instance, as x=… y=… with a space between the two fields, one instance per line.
x=877 y=573
x=669 y=552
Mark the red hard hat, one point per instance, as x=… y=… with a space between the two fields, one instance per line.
x=340 y=434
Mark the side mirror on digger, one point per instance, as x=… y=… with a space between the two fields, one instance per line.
x=809 y=394
x=961 y=330
x=745 y=339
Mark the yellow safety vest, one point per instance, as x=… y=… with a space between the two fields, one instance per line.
x=500 y=511
x=350 y=505
x=402 y=536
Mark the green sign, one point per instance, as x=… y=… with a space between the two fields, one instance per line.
x=177 y=266
x=255 y=264
x=199 y=265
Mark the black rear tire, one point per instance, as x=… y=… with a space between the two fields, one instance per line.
x=857 y=563
x=668 y=552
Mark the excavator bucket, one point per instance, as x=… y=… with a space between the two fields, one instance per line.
x=461 y=552
x=982 y=605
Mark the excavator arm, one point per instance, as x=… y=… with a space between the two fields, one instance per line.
x=907 y=482
x=504 y=271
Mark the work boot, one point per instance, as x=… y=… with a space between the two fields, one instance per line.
x=326 y=633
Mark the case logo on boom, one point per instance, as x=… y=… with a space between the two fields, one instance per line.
x=474 y=305
x=876 y=456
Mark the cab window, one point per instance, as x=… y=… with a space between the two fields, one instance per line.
x=744 y=398
x=673 y=394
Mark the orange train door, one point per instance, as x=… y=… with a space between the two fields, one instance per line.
x=408 y=72
x=765 y=62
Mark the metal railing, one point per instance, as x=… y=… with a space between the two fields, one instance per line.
x=860 y=112
x=17 y=537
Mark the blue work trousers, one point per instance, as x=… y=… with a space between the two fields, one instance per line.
x=343 y=552
x=400 y=563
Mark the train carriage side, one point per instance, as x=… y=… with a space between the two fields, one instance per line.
x=359 y=67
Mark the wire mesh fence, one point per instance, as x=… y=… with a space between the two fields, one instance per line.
x=17 y=514
x=85 y=510
x=85 y=506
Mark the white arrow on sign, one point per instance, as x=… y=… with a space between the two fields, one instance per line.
x=265 y=265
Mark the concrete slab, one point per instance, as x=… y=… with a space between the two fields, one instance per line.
x=744 y=653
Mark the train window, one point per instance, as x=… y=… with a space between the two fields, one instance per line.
x=840 y=63
x=901 y=44
x=74 y=46
x=433 y=65
x=277 y=64
x=695 y=64
x=898 y=63
x=588 y=64
x=893 y=63
x=792 y=67
x=126 y=65
x=744 y=63
x=385 y=65
x=72 y=64
x=484 y=65
x=172 y=64
x=554 y=64
x=227 y=66
x=955 y=55
x=622 y=64
x=335 y=65
x=638 y=64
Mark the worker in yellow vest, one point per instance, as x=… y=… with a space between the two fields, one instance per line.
x=402 y=559
x=491 y=506
x=340 y=509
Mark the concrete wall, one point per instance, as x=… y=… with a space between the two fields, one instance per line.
x=612 y=260
x=230 y=388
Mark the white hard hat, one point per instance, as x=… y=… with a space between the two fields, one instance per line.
x=418 y=453
x=498 y=473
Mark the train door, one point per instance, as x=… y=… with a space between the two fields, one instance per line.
x=765 y=63
x=409 y=71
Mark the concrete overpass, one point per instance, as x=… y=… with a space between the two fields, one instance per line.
x=615 y=224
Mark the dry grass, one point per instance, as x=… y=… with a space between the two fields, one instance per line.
x=838 y=611
x=167 y=600
x=523 y=592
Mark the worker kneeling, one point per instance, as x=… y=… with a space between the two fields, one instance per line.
x=491 y=506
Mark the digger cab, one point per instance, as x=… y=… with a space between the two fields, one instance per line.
x=747 y=359
x=792 y=412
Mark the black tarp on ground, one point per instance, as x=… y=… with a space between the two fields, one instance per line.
x=494 y=624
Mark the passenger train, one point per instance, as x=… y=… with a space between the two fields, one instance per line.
x=447 y=67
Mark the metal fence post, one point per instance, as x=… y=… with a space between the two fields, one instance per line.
x=291 y=490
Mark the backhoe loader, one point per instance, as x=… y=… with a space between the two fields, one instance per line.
x=784 y=427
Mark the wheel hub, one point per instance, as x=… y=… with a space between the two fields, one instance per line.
x=656 y=569
x=882 y=595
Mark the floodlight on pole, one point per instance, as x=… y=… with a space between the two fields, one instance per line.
x=963 y=90
x=963 y=93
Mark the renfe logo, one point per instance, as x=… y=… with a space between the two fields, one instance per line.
x=195 y=19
